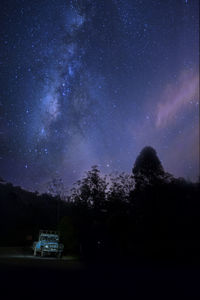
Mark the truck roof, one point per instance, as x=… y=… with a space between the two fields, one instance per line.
x=42 y=232
x=48 y=234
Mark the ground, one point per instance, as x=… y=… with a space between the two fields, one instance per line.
x=25 y=276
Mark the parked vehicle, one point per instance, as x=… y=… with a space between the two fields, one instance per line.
x=48 y=244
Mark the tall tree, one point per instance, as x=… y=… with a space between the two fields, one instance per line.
x=91 y=190
x=147 y=169
x=55 y=187
x=120 y=187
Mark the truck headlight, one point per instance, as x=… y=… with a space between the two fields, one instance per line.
x=46 y=246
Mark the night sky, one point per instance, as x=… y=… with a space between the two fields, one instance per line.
x=93 y=82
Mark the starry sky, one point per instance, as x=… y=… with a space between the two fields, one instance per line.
x=93 y=82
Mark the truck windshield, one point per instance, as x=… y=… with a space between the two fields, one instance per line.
x=49 y=238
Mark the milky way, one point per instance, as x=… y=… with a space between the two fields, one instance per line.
x=93 y=82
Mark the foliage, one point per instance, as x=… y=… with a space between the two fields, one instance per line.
x=91 y=190
x=55 y=187
x=149 y=212
x=147 y=169
x=69 y=235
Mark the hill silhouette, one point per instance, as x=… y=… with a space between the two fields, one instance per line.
x=148 y=213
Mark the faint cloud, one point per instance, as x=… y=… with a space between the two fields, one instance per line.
x=176 y=98
x=182 y=157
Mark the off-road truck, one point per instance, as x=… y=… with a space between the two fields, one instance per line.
x=48 y=244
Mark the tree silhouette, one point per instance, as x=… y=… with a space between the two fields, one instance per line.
x=146 y=213
x=118 y=194
x=55 y=187
x=69 y=235
x=91 y=190
x=147 y=169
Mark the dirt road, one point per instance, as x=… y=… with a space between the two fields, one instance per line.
x=28 y=277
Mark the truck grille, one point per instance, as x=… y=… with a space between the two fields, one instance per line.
x=53 y=247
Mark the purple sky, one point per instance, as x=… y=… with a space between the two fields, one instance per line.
x=93 y=82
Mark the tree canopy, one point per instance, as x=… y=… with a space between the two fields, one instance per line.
x=124 y=214
x=147 y=168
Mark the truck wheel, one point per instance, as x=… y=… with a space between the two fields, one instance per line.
x=42 y=253
x=35 y=252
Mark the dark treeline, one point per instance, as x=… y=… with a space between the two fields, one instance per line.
x=147 y=213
